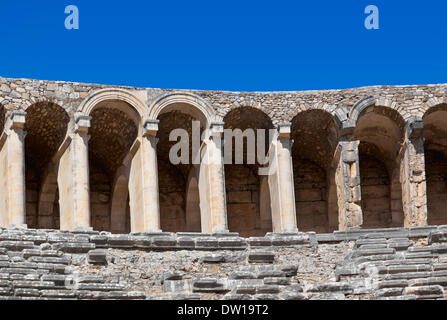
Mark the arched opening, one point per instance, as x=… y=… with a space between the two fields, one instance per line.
x=120 y=209
x=3 y=163
x=178 y=183
x=114 y=128
x=435 y=146
x=380 y=132
x=315 y=136
x=246 y=211
x=46 y=127
x=193 y=218
x=2 y=118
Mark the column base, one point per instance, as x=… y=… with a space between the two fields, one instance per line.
x=155 y=231
x=19 y=226
x=83 y=229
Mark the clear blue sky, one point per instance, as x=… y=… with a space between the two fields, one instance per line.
x=226 y=45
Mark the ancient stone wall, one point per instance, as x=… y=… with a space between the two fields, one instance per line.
x=386 y=264
x=436 y=173
x=94 y=156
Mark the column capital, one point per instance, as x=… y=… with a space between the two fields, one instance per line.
x=17 y=119
x=284 y=129
x=150 y=127
x=82 y=122
x=216 y=128
x=347 y=128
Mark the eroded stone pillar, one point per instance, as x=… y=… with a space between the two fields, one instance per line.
x=282 y=190
x=213 y=205
x=80 y=170
x=412 y=175
x=16 y=170
x=347 y=178
x=73 y=178
x=149 y=170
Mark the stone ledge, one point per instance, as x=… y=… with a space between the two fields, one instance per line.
x=389 y=233
x=84 y=241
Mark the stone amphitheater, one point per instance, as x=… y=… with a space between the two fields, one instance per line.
x=91 y=207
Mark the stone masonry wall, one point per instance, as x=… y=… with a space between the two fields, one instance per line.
x=311 y=196
x=375 y=184
x=386 y=264
x=436 y=173
x=51 y=108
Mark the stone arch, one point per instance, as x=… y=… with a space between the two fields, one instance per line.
x=137 y=113
x=195 y=106
x=179 y=112
x=46 y=126
x=315 y=134
x=114 y=130
x=435 y=147
x=380 y=129
x=387 y=106
x=245 y=209
x=116 y=120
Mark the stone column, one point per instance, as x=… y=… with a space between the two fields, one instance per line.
x=282 y=189
x=16 y=170
x=80 y=171
x=213 y=204
x=347 y=178
x=412 y=175
x=150 y=196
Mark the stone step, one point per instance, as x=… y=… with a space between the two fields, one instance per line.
x=430 y=292
x=259 y=256
x=420 y=255
x=388 y=292
x=373 y=252
x=99 y=286
x=403 y=268
x=74 y=247
x=209 y=285
x=34 y=284
x=50 y=260
x=330 y=287
x=17 y=245
x=413 y=275
x=392 y=284
x=442 y=281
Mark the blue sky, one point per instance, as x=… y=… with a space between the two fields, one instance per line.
x=226 y=45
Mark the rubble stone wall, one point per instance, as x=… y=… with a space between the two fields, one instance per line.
x=399 y=263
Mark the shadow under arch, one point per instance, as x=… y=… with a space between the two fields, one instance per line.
x=315 y=135
x=46 y=126
x=380 y=130
x=248 y=199
x=435 y=147
x=113 y=132
x=180 y=186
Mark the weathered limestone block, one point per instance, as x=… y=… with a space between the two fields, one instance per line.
x=347 y=179
x=437 y=237
x=428 y=292
x=209 y=285
x=412 y=173
x=261 y=256
x=213 y=258
x=97 y=257
x=280 y=181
